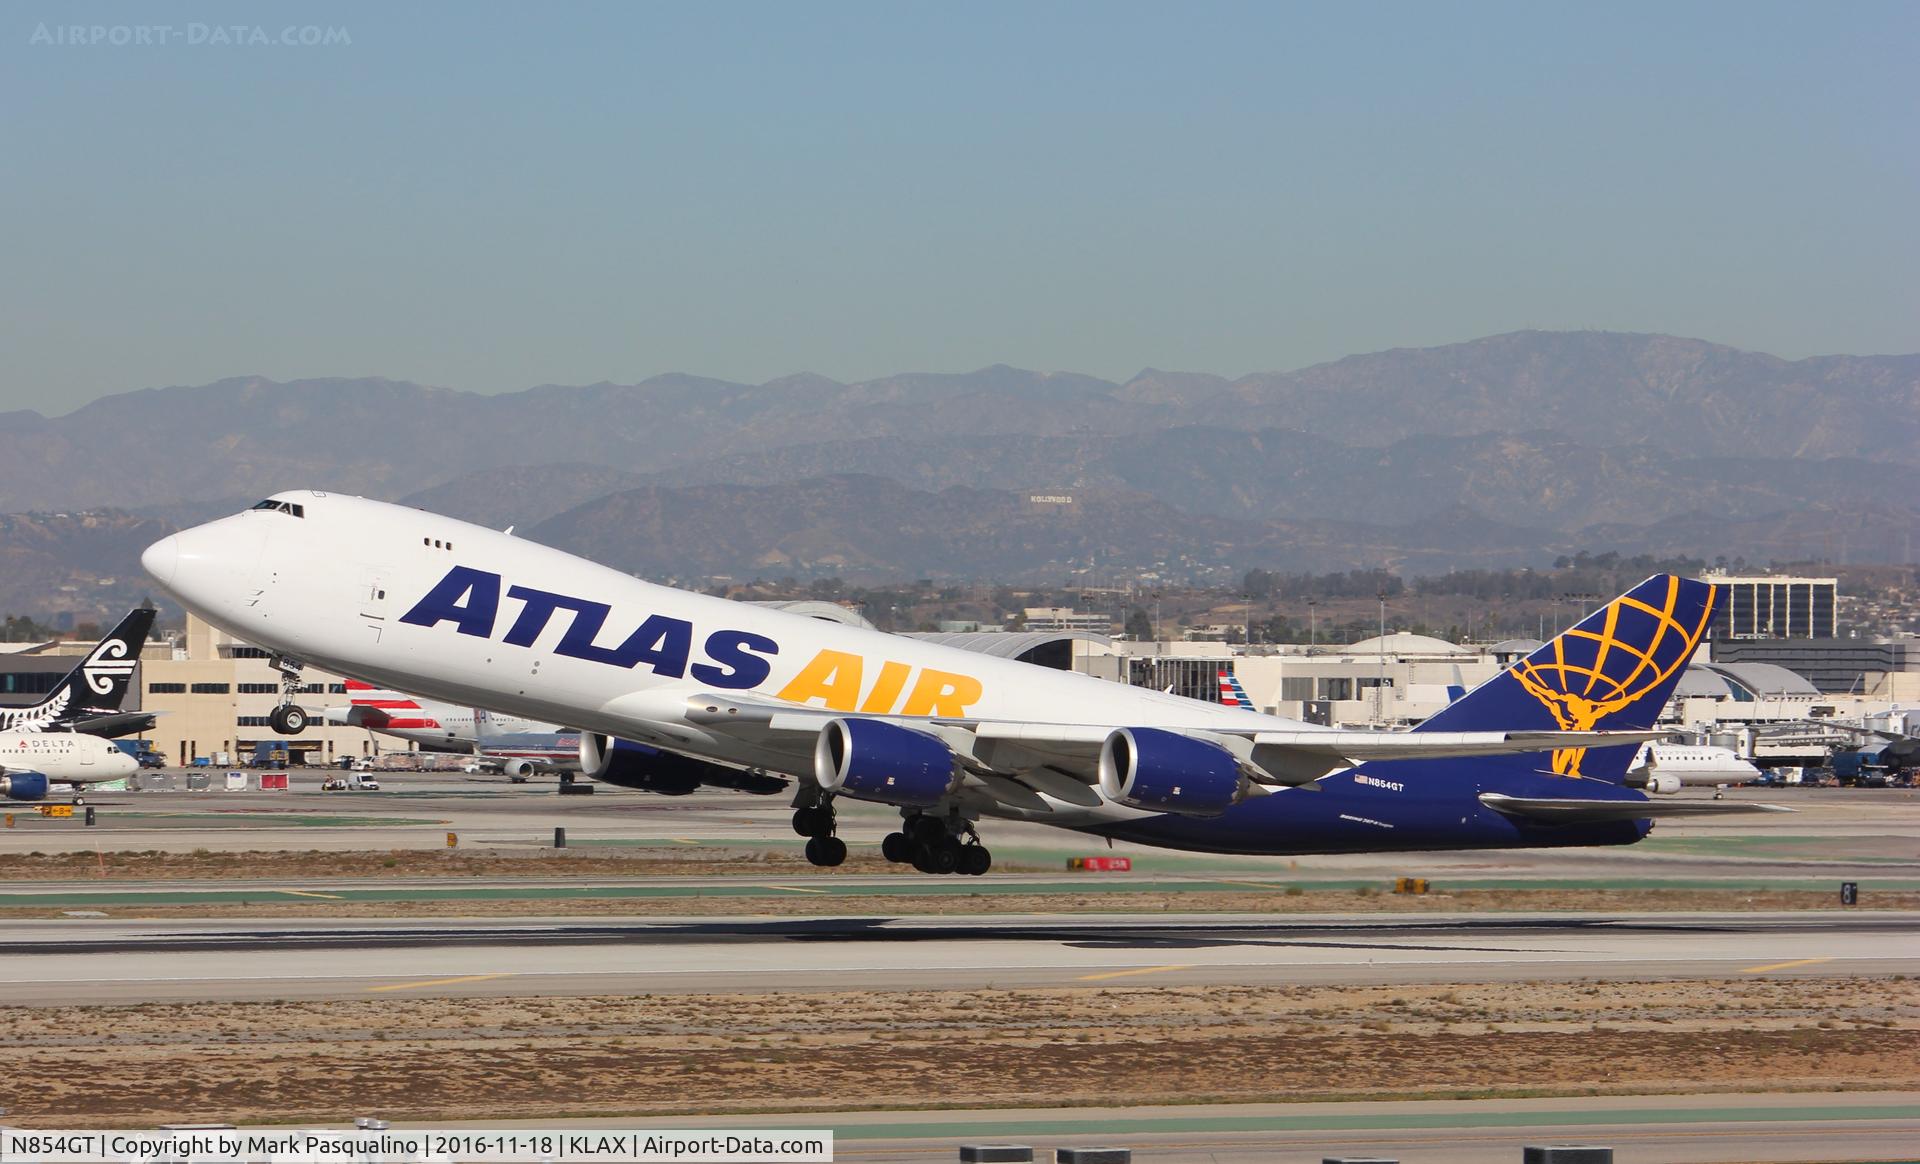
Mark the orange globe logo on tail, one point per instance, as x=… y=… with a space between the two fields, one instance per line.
x=1610 y=660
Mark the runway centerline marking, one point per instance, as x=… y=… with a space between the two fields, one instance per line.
x=1131 y=973
x=437 y=982
x=1784 y=965
x=310 y=893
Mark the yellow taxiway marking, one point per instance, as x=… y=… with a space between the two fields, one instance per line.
x=1255 y=884
x=307 y=893
x=438 y=982
x=683 y=840
x=1784 y=965
x=1131 y=973
x=796 y=889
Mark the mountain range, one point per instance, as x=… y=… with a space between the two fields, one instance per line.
x=1504 y=450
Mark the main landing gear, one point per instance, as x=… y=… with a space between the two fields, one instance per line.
x=813 y=819
x=933 y=844
x=288 y=719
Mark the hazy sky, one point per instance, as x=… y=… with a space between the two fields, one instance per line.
x=493 y=197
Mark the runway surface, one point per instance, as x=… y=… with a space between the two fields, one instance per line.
x=129 y=961
x=1833 y=833
x=1667 y=1129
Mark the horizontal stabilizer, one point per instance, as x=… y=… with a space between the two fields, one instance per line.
x=1580 y=810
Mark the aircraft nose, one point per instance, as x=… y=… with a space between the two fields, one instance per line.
x=162 y=559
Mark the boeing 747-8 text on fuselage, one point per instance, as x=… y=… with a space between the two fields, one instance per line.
x=673 y=690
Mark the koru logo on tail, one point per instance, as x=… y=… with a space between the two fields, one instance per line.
x=109 y=664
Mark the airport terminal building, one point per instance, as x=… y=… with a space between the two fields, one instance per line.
x=212 y=696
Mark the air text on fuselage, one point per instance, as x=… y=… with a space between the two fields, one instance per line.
x=736 y=659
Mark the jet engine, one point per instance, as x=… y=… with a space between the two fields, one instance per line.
x=24 y=786
x=870 y=759
x=1163 y=771
x=631 y=765
x=519 y=771
x=1662 y=785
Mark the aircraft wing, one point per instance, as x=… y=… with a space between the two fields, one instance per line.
x=1572 y=810
x=117 y=723
x=1020 y=748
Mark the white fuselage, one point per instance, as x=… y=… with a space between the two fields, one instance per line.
x=419 y=602
x=65 y=757
x=428 y=722
x=1696 y=764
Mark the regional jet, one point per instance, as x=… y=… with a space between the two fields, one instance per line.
x=673 y=690
x=32 y=762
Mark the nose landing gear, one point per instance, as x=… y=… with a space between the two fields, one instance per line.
x=288 y=719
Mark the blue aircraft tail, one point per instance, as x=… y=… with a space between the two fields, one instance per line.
x=1614 y=670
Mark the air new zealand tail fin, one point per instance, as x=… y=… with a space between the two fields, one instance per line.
x=1614 y=670
x=89 y=698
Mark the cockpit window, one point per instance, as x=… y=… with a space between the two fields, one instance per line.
x=282 y=507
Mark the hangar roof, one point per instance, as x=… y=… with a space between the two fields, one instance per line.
x=1406 y=643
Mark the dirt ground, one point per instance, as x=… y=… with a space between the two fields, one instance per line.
x=498 y=1058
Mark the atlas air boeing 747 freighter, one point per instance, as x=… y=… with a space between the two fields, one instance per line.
x=673 y=690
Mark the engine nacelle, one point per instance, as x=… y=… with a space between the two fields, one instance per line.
x=1662 y=785
x=870 y=759
x=24 y=786
x=1163 y=771
x=519 y=771
x=631 y=765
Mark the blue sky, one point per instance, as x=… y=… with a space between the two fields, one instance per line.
x=489 y=197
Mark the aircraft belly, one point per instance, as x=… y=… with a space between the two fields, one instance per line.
x=1341 y=817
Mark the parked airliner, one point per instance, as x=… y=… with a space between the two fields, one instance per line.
x=88 y=698
x=32 y=762
x=674 y=689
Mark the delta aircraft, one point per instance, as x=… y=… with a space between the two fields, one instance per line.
x=31 y=763
x=673 y=690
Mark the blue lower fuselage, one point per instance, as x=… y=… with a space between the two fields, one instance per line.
x=1434 y=806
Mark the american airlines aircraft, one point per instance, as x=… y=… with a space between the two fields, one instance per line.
x=674 y=689
x=521 y=748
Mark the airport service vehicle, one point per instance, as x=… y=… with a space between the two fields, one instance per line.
x=673 y=690
x=143 y=753
x=31 y=763
x=88 y=699
x=354 y=783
